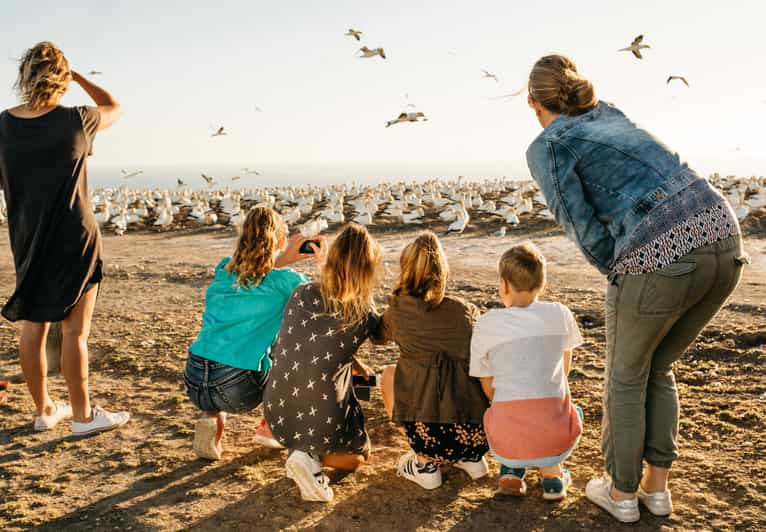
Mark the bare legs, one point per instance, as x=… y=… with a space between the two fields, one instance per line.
x=34 y=365
x=74 y=359
x=387 y=389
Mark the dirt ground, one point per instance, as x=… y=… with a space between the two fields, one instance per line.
x=145 y=476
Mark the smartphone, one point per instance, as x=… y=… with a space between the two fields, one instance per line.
x=363 y=381
x=306 y=247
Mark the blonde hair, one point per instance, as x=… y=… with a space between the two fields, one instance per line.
x=556 y=84
x=257 y=246
x=423 y=270
x=523 y=266
x=44 y=75
x=349 y=275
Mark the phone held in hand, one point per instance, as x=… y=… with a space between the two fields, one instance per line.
x=306 y=246
x=362 y=385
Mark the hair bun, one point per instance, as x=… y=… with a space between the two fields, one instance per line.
x=559 y=87
x=577 y=94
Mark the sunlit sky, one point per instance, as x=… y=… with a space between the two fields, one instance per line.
x=180 y=67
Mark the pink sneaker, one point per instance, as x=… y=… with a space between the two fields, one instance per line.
x=263 y=436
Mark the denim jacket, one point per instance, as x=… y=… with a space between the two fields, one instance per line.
x=601 y=175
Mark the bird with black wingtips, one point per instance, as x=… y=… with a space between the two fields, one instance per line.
x=219 y=132
x=180 y=183
x=367 y=52
x=680 y=78
x=356 y=34
x=489 y=75
x=636 y=46
x=209 y=180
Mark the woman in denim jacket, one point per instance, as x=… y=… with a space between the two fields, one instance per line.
x=671 y=248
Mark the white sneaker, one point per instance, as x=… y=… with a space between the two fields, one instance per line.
x=264 y=437
x=475 y=470
x=597 y=490
x=306 y=472
x=658 y=503
x=427 y=476
x=102 y=420
x=63 y=411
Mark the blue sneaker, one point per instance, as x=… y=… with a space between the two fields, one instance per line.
x=555 y=489
x=511 y=481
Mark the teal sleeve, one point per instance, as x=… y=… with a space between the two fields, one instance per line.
x=290 y=280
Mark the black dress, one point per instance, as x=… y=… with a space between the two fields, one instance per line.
x=54 y=236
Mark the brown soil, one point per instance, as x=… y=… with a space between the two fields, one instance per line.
x=145 y=476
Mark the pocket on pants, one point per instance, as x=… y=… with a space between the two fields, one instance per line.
x=665 y=291
x=736 y=276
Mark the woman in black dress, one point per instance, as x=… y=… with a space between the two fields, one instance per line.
x=54 y=236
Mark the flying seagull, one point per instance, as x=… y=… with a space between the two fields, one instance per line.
x=366 y=52
x=356 y=34
x=489 y=75
x=409 y=116
x=236 y=177
x=180 y=183
x=219 y=132
x=128 y=175
x=248 y=171
x=258 y=109
x=95 y=73
x=671 y=78
x=210 y=181
x=636 y=46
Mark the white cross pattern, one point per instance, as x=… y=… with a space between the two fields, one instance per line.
x=304 y=322
x=287 y=374
x=295 y=392
x=289 y=312
x=326 y=440
x=356 y=340
x=300 y=303
x=273 y=384
x=280 y=421
x=361 y=432
x=284 y=352
x=297 y=347
x=337 y=427
x=311 y=447
x=329 y=421
x=268 y=405
x=297 y=436
x=328 y=356
x=324 y=377
x=290 y=329
x=329 y=332
x=313 y=337
x=324 y=396
x=314 y=316
x=281 y=402
x=295 y=365
x=299 y=416
x=313 y=411
x=342 y=345
x=311 y=432
x=316 y=302
x=314 y=360
x=310 y=385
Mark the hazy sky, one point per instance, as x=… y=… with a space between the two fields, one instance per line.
x=179 y=67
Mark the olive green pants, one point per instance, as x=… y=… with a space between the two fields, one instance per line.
x=650 y=321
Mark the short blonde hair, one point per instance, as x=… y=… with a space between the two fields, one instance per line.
x=523 y=266
x=349 y=275
x=257 y=245
x=44 y=75
x=423 y=270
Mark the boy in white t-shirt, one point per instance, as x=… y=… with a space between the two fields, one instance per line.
x=522 y=355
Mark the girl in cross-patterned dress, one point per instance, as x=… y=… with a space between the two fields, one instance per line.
x=309 y=402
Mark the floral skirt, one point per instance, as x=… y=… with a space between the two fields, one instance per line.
x=445 y=443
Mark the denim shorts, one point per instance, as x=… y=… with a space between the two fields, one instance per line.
x=216 y=387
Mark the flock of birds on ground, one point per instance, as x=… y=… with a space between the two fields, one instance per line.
x=491 y=203
x=315 y=208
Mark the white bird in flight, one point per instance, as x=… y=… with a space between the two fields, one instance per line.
x=210 y=181
x=218 y=132
x=356 y=34
x=128 y=175
x=488 y=75
x=367 y=53
x=95 y=73
x=511 y=94
x=407 y=116
x=248 y=171
x=636 y=46
x=681 y=78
